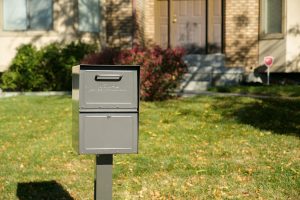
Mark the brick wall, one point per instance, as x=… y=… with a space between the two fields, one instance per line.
x=241 y=33
x=119 y=23
x=149 y=21
x=140 y=26
x=145 y=19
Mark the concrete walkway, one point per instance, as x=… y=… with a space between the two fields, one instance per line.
x=185 y=94
x=220 y=94
x=49 y=93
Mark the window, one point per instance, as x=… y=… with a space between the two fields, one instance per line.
x=272 y=18
x=89 y=15
x=27 y=15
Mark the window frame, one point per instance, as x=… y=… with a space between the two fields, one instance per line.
x=100 y=16
x=28 y=19
x=262 y=33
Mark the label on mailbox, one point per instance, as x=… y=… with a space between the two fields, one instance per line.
x=109 y=89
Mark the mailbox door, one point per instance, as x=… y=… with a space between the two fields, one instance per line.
x=108 y=133
x=103 y=89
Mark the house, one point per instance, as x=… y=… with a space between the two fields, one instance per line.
x=244 y=32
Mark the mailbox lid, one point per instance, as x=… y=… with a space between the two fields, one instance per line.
x=103 y=87
x=108 y=133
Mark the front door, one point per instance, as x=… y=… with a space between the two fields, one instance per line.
x=188 y=24
x=162 y=28
x=181 y=23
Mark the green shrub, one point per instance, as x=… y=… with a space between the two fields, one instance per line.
x=1 y=77
x=59 y=61
x=24 y=71
x=46 y=69
x=161 y=69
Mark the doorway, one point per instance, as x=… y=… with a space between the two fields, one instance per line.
x=192 y=24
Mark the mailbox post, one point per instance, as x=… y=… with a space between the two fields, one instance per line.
x=105 y=117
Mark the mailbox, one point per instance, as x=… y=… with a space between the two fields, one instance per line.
x=105 y=109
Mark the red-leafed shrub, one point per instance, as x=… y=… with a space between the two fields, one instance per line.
x=161 y=69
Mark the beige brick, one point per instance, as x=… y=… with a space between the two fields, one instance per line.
x=119 y=23
x=241 y=32
x=145 y=19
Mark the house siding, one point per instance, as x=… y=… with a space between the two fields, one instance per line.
x=65 y=29
x=145 y=22
x=124 y=22
x=293 y=36
x=119 y=23
x=139 y=25
x=241 y=32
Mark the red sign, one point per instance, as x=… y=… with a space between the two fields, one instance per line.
x=269 y=61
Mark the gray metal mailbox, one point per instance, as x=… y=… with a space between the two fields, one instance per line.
x=105 y=117
x=105 y=109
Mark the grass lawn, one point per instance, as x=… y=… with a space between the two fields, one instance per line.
x=274 y=90
x=194 y=148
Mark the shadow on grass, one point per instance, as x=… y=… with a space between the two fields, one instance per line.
x=280 y=116
x=46 y=190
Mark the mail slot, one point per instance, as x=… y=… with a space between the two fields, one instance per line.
x=105 y=109
x=108 y=89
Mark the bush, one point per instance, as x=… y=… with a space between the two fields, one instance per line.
x=57 y=60
x=161 y=69
x=24 y=71
x=46 y=69
x=1 y=77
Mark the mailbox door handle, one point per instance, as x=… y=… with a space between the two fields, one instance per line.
x=108 y=77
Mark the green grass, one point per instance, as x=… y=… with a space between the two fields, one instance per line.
x=274 y=90
x=194 y=148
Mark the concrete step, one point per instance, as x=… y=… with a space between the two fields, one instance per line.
x=197 y=77
x=205 y=71
x=228 y=70
x=222 y=79
x=199 y=69
x=213 y=60
x=194 y=86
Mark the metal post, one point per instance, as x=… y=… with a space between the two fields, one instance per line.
x=103 y=177
x=268 y=76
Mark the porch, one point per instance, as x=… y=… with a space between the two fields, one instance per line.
x=209 y=70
